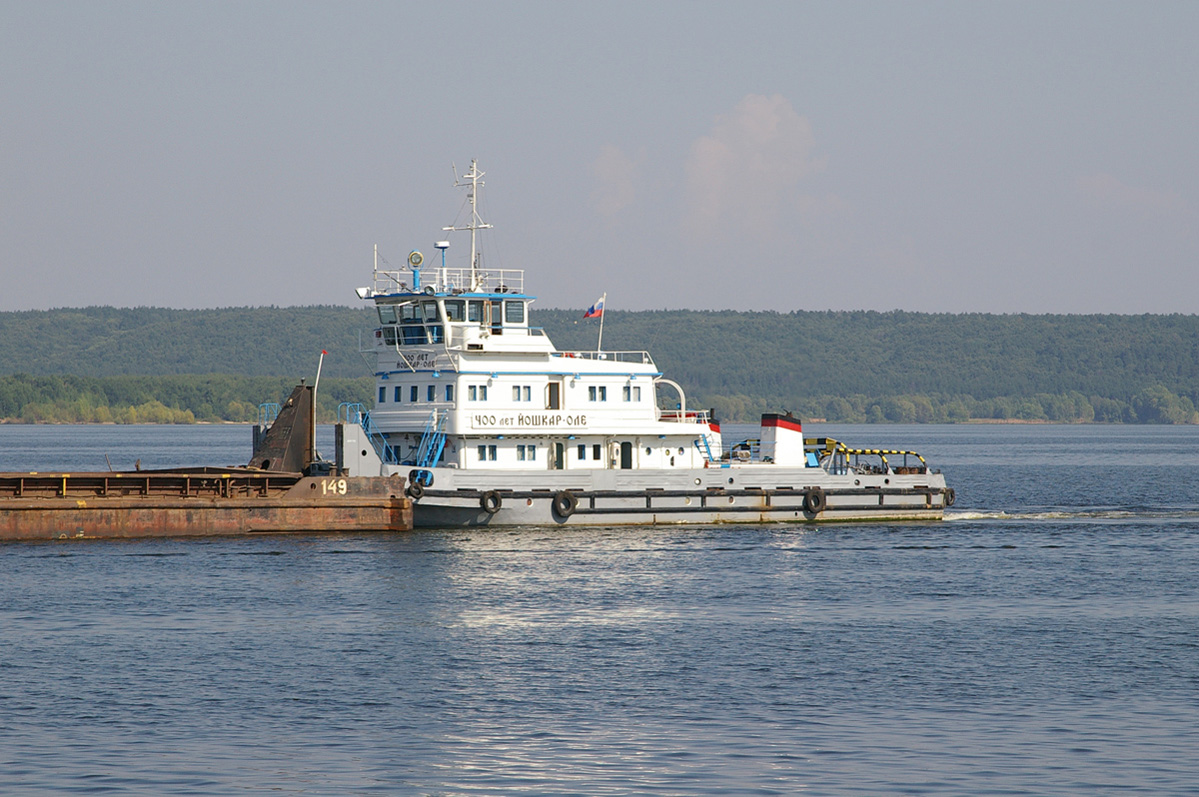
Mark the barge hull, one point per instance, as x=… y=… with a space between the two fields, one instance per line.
x=196 y=503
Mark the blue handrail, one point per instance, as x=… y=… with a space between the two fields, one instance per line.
x=353 y=412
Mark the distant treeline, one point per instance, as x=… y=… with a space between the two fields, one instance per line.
x=161 y=399
x=103 y=363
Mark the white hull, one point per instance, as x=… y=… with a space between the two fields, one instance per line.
x=748 y=494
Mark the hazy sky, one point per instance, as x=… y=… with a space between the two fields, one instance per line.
x=958 y=156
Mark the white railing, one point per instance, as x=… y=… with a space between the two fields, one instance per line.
x=615 y=356
x=450 y=280
x=689 y=416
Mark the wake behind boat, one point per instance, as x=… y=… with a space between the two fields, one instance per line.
x=493 y=425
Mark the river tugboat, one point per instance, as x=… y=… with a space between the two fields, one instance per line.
x=492 y=425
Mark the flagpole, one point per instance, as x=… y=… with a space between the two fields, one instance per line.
x=599 y=347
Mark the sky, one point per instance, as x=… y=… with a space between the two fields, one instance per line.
x=1002 y=157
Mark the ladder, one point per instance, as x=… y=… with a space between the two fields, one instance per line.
x=432 y=442
x=351 y=412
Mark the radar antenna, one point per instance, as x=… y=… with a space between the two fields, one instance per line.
x=472 y=180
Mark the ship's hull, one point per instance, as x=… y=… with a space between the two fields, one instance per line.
x=199 y=502
x=750 y=494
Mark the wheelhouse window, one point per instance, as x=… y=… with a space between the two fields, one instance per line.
x=474 y=310
x=514 y=312
x=455 y=310
x=387 y=313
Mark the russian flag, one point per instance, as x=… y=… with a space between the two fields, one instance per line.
x=596 y=310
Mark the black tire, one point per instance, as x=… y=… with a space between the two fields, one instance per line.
x=814 y=501
x=422 y=477
x=491 y=501
x=415 y=491
x=948 y=497
x=565 y=504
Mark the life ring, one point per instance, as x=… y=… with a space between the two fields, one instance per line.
x=415 y=491
x=491 y=501
x=565 y=504
x=948 y=497
x=814 y=501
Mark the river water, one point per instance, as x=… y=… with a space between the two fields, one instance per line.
x=1042 y=640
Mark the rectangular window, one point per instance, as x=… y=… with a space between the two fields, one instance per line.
x=514 y=312
x=398 y=394
x=527 y=393
x=482 y=453
x=449 y=392
x=412 y=393
x=431 y=393
x=636 y=394
x=453 y=309
x=595 y=451
x=382 y=394
x=532 y=453
x=482 y=392
x=626 y=393
x=591 y=393
x=582 y=451
x=520 y=453
x=603 y=393
x=515 y=393
x=491 y=453
x=472 y=393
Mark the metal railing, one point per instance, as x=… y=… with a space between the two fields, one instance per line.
x=689 y=416
x=615 y=356
x=452 y=280
x=268 y=413
x=353 y=412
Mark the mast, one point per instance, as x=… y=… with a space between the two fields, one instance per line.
x=476 y=222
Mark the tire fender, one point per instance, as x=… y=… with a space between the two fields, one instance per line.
x=565 y=504
x=491 y=501
x=814 y=501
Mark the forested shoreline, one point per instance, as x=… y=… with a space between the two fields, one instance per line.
x=103 y=364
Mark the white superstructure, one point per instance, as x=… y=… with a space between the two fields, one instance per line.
x=493 y=425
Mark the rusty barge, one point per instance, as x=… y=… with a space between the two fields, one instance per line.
x=284 y=488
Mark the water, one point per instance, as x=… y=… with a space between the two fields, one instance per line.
x=1043 y=640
